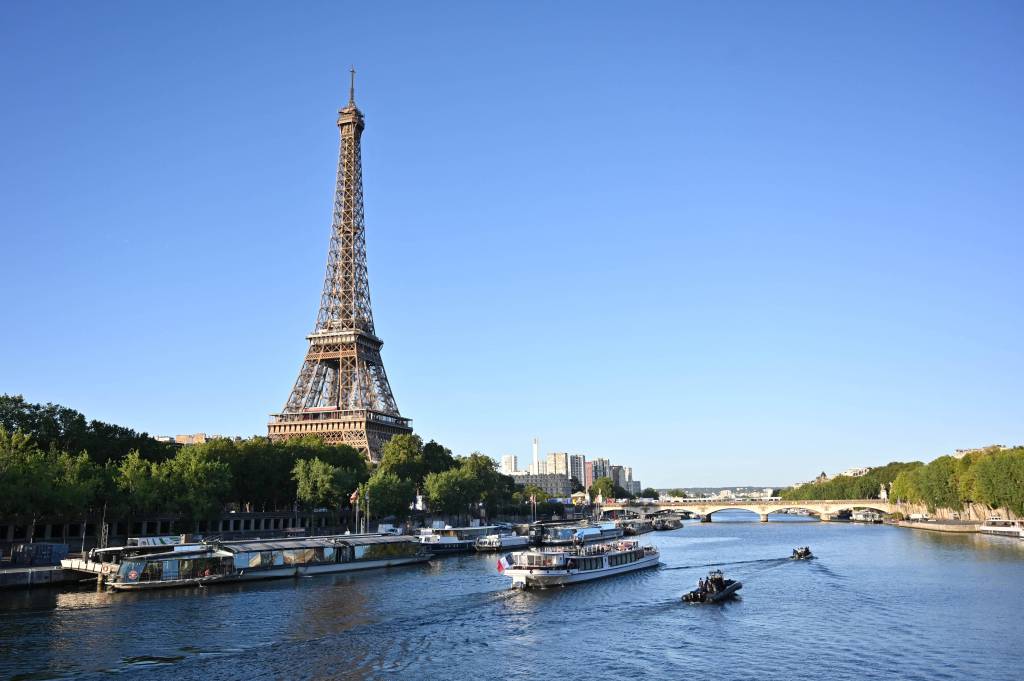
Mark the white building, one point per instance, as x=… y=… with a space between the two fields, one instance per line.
x=577 y=467
x=509 y=464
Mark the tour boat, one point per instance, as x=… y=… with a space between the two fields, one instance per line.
x=571 y=534
x=1002 y=527
x=635 y=526
x=264 y=559
x=713 y=589
x=453 y=539
x=499 y=542
x=557 y=567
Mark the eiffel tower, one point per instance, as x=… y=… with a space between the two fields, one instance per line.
x=342 y=393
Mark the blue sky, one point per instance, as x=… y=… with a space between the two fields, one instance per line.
x=725 y=243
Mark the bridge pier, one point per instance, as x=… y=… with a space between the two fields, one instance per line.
x=764 y=517
x=825 y=517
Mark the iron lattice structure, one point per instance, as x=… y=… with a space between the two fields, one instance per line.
x=342 y=393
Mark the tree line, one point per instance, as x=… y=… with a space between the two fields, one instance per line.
x=46 y=469
x=993 y=477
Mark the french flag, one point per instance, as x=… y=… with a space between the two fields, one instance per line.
x=504 y=562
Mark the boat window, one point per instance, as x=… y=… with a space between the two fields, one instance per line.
x=278 y=558
x=152 y=573
x=170 y=569
x=247 y=560
x=298 y=556
x=329 y=553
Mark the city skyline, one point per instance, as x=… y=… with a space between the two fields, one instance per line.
x=812 y=259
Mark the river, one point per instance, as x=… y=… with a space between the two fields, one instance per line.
x=879 y=602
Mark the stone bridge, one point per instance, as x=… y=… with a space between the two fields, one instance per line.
x=704 y=508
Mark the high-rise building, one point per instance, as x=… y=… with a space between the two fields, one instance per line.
x=342 y=393
x=601 y=468
x=558 y=463
x=576 y=462
x=615 y=473
x=588 y=474
x=509 y=464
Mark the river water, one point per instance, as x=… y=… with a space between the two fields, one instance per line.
x=879 y=602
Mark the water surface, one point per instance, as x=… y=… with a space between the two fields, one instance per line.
x=878 y=603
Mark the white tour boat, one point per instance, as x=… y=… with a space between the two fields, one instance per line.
x=1003 y=527
x=555 y=567
x=500 y=542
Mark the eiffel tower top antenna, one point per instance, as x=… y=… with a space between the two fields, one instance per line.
x=352 y=87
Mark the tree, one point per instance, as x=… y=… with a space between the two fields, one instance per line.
x=141 y=485
x=603 y=486
x=388 y=494
x=315 y=484
x=575 y=486
x=649 y=493
x=436 y=458
x=403 y=456
x=450 y=491
x=27 y=487
x=199 y=483
x=677 y=492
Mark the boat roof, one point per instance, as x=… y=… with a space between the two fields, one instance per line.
x=313 y=542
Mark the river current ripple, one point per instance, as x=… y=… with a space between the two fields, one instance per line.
x=878 y=603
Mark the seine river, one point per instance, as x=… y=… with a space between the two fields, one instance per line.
x=879 y=603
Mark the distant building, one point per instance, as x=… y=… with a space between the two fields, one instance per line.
x=601 y=468
x=551 y=483
x=509 y=464
x=588 y=474
x=633 y=487
x=855 y=472
x=961 y=453
x=576 y=463
x=194 y=439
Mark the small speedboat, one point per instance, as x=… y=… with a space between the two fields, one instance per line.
x=802 y=553
x=713 y=589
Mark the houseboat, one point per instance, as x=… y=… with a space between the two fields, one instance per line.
x=867 y=516
x=441 y=540
x=264 y=559
x=557 y=567
x=670 y=521
x=1002 y=527
x=501 y=542
x=634 y=526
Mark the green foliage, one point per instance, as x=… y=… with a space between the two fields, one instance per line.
x=649 y=493
x=1000 y=480
x=451 y=491
x=60 y=429
x=847 y=487
x=992 y=477
x=603 y=486
x=388 y=494
x=677 y=492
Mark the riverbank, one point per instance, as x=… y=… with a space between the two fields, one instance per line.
x=43 y=575
x=959 y=526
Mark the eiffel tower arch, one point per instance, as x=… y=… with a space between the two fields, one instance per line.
x=342 y=393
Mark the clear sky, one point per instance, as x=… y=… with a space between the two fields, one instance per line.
x=724 y=243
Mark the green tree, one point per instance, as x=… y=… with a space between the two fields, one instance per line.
x=402 y=455
x=142 y=487
x=649 y=493
x=603 y=486
x=388 y=494
x=27 y=488
x=436 y=458
x=199 y=483
x=315 y=484
x=451 y=491
x=677 y=492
